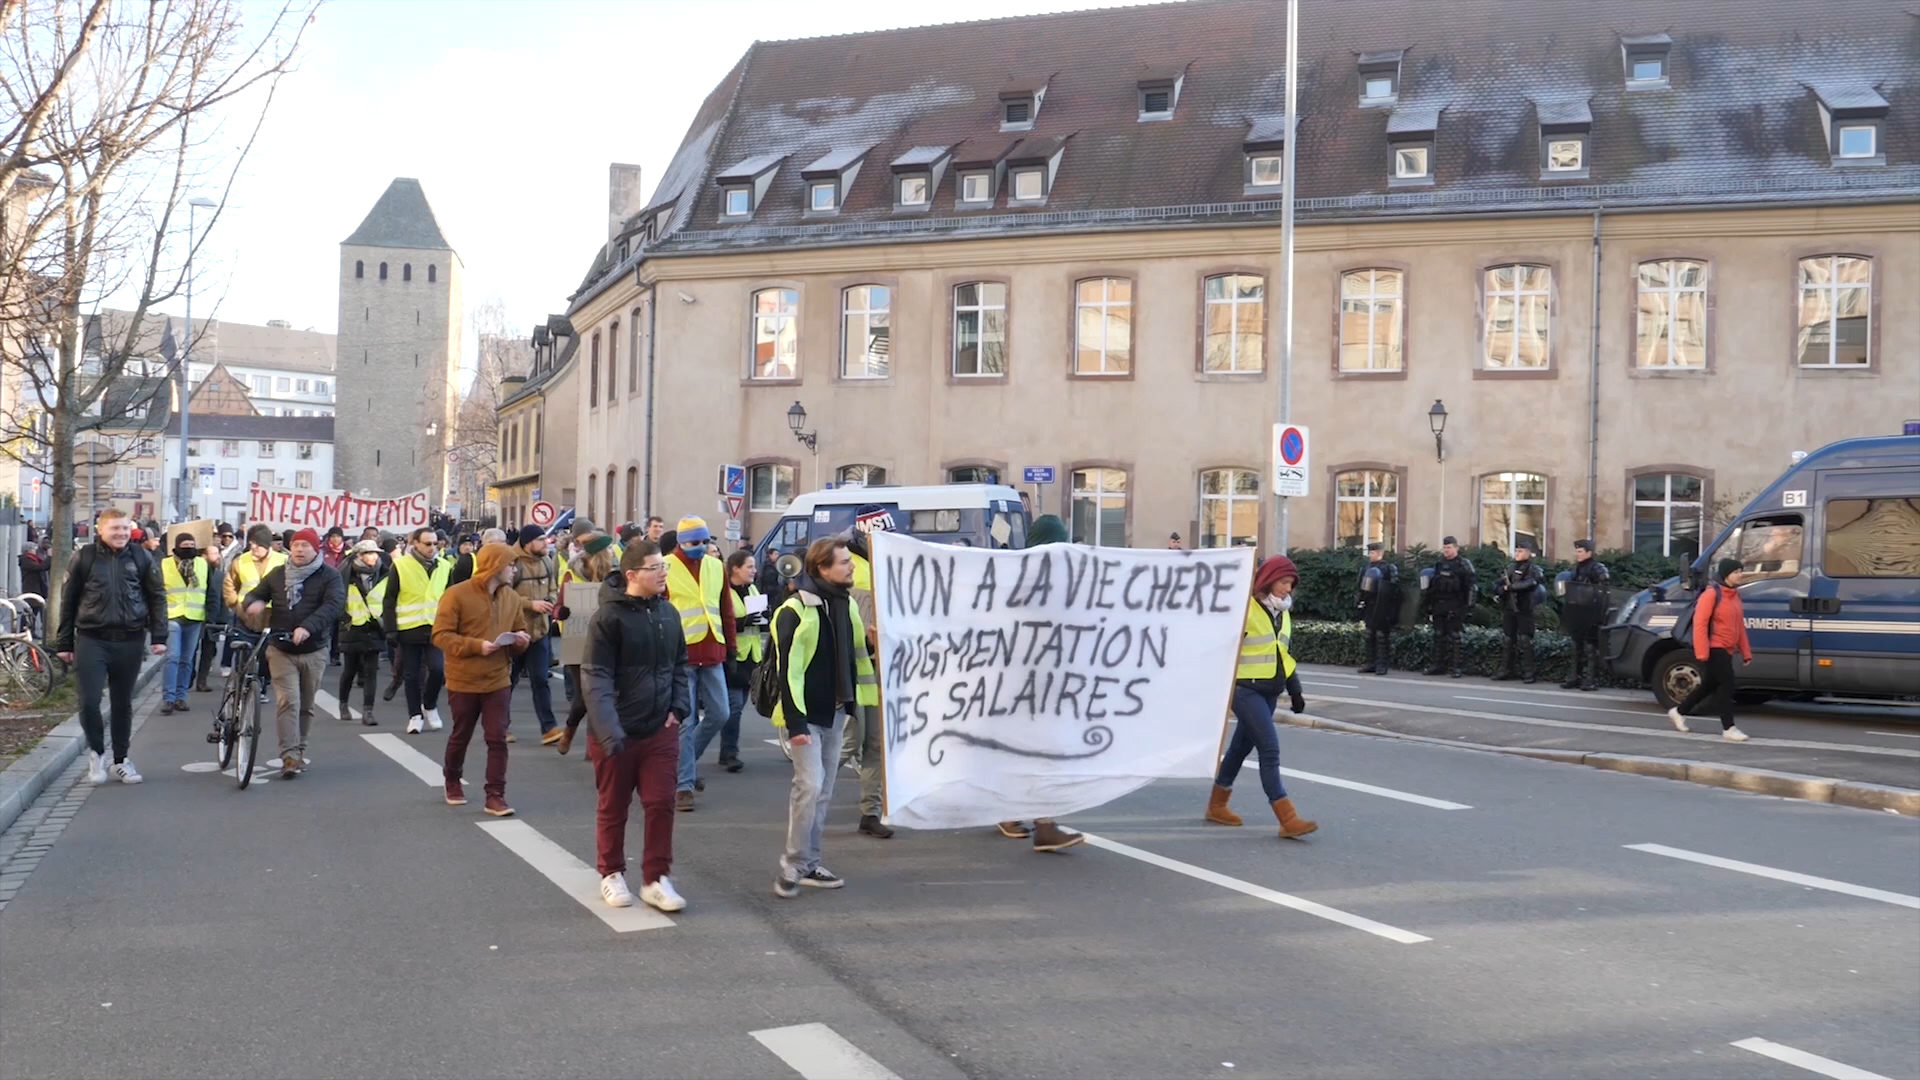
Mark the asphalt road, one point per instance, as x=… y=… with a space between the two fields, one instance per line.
x=348 y=923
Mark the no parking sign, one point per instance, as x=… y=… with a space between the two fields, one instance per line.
x=1289 y=460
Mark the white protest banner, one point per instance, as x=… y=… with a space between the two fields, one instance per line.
x=281 y=508
x=581 y=599
x=1037 y=683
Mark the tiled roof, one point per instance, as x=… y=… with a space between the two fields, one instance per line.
x=1736 y=121
x=216 y=341
x=133 y=403
x=271 y=428
x=401 y=219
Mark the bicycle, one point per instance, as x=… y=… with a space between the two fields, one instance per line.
x=236 y=720
x=26 y=671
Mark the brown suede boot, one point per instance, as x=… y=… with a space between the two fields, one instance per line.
x=1217 y=811
x=1292 y=825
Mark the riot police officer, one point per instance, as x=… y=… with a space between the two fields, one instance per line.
x=1584 y=600
x=1449 y=588
x=1379 y=604
x=1519 y=587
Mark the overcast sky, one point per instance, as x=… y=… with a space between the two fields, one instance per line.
x=508 y=112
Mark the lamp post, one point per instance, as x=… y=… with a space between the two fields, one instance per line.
x=1286 y=252
x=1437 y=421
x=797 y=422
x=183 y=498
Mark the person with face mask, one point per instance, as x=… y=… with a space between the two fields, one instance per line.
x=697 y=586
x=361 y=637
x=1266 y=668
x=480 y=625
x=307 y=599
x=185 y=578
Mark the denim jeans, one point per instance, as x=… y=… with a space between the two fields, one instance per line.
x=729 y=731
x=814 y=767
x=537 y=665
x=1255 y=731
x=183 y=651
x=426 y=674
x=709 y=684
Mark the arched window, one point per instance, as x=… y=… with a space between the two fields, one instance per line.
x=593 y=488
x=613 y=361
x=1518 y=310
x=593 y=374
x=1372 y=320
x=776 y=335
x=1229 y=507
x=1100 y=507
x=359 y=268
x=1235 y=338
x=1669 y=514
x=406 y=271
x=613 y=508
x=1513 y=505
x=865 y=331
x=1366 y=508
x=633 y=494
x=1103 y=327
x=633 y=357
x=862 y=476
x=1671 y=331
x=769 y=487
x=972 y=474
x=1834 y=318
x=383 y=271
x=433 y=273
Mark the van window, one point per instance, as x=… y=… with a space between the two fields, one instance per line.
x=1872 y=538
x=1767 y=547
x=790 y=535
x=935 y=521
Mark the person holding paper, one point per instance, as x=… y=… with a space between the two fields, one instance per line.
x=480 y=626
x=1266 y=668
x=751 y=617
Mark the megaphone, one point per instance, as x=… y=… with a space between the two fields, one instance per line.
x=789 y=566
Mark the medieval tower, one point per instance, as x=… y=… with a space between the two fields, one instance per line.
x=399 y=350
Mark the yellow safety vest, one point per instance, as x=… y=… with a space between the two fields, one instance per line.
x=698 y=601
x=806 y=638
x=419 y=591
x=250 y=573
x=1263 y=651
x=184 y=601
x=362 y=610
x=750 y=643
x=862 y=573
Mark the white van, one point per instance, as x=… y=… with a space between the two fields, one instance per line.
x=978 y=515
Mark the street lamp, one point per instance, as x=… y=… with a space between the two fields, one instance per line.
x=797 y=422
x=183 y=498
x=1437 y=420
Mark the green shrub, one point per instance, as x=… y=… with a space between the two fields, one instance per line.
x=1344 y=644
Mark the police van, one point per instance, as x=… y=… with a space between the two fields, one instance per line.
x=977 y=515
x=1830 y=557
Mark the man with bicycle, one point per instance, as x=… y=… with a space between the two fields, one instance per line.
x=247 y=570
x=110 y=601
x=307 y=600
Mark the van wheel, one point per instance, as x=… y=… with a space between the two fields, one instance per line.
x=1675 y=676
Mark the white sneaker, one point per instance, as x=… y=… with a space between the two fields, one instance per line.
x=613 y=889
x=127 y=774
x=413 y=725
x=1734 y=734
x=97 y=768
x=660 y=894
x=433 y=719
x=226 y=672
x=1679 y=722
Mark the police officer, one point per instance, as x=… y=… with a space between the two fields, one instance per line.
x=1379 y=607
x=1584 y=596
x=1518 y=588
x=1449 y=588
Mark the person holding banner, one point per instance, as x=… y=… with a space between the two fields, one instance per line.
x=1047 y=834
x=1266 y=668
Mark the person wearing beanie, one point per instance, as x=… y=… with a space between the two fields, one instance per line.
x=185 y=578
x=361 y=638
x=1047 y=833
x=1719 y=631
x=1583 y=608
x=1266 y=668
x=463 y=562
x=218 y=558
x=537 y=581
x=244 y=571
x=334 y=550
x=1046 y=529
x=480 y=625
x=697 y=587
x=307 y=601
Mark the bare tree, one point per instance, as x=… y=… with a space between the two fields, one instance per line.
x=116 y=108
x=474 y=451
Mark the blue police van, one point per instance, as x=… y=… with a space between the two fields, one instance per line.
x=1830 y=555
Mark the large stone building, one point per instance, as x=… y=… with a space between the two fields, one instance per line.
x=1641 y=251
x=398 y=349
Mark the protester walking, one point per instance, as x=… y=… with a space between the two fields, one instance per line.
x=185 y=578
x=219 y=617
x=749 y=646
x=1046 y=833
x=307 y=599
x=696 y=585
x=537 y=582
x=592 y=566
x=480 y=626
x=414 y=588
x=821 y=646
x=361 y=637
x=1719 y=631
x=111 y=604
x=248 y=569
x=635 y=683
x=1266 y=668
x=33 y=570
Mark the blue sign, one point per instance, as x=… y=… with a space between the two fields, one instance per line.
x=1037 y=474
x=733 y=481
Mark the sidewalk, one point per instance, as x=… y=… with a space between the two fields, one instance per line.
x=24 y=780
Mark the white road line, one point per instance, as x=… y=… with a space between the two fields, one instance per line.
x=1802 y=1059
x=415 y=762
x=1260 y=892
x=574 y=877
x=1385 y=793
x=1811 y=882
x=327 y=702
x=1900 y=734
x=1341 y=685
x=817 y=1052
x=1576 y=708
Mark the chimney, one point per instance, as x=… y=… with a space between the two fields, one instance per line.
x=623 y=196
x=279 y=324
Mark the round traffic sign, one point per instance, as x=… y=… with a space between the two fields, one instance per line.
x=1293 y=446
x=542 y=514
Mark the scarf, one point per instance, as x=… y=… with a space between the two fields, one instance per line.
x=188 y=573
x=840 y=624
x=297 y=577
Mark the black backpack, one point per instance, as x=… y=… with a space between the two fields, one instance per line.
x=763 y=686
x=1683 y=628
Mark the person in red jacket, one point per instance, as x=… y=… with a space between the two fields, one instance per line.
x=1719 y=631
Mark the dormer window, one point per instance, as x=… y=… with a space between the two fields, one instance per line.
x=1380 y=77
x=1410 y=137
x=1852 y=117
x=976 y=187
x=1645 y=57
x=1566 y=155
x=1032 y=169
x=745 y=184
x=1019 y=105
x=1264 y=170
x=1159 y=96
x=913 y=191
x=829 y=176
x=822 y=196
x=1265 y=142
x=1855 y=140
x=1412 y=161
x=739 y=202
x=916 y=174
x=1565 y=134
x=1029 y=185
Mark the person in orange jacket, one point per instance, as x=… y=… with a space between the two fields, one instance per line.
x=1719 y=631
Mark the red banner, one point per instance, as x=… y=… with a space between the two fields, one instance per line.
x=280 y=508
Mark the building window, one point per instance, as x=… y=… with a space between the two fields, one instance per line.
x=593 y=491
x=913 y=190
x=406 y=272
x=536 y=433
x=1264 y=170
x=1566 y=155
x=1235 y=339
x=230 y=479
x=1855 y=140
x=1669 y=515
x=976 y=187
x=633 y=357
x=862 y=476
x=776 y=334
x=1366 y=508
x=267 y=449
x=1835 y=317
x=230 y=448
x=1672 y=331
x=1412 y=161
x=1518 y=307
x=1372 y=320
x=280 y=384
x=769 y=487
x=633 y=493
x=144 y=478
x=1156 y=100
x=1016 y=112
x=303 y=451
x=322 y=386
x=359 y=268
x=1647 y=66
x=1229 y=507
x=265 y=477
x=1103 y=327
x=506 y=445
x=1100 y=507
x=433 y=273
x=1029 y=185
x=262 y=384
x=1872 y=538
x=972 y=474
x=303 y=480
x=865 y=331
x=1513 y=505
x=613 y=361
x=383 y=271
x=302 y=386
x=593 y=374
x=739 y=202
x=822 y=196
x=980 y=328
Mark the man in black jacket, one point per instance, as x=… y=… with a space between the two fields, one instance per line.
x=635 y=679
x=307 y=600
x=111 y=599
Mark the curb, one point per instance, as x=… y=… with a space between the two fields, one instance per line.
x=25 y=779
x=1709 y=773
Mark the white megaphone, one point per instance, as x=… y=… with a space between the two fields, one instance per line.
x=788 y=566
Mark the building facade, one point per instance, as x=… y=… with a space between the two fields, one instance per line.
x=287 y=372
x=230 y=455
x=1637 y=255
x=533 y=465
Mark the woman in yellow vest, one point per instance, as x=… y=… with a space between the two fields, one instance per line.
x=593 y=566
x=1266 y=668
x=185 y=577
x=361 y=636
x=749 y=646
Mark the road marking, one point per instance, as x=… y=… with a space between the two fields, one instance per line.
x=574 y=877
x=1260 y=892
x=1385 y=793
x=1882 y=895
x=428 y=770
x=1577 y=708
x=1900 y=734
x=1341 y=685
x=817 y=1052
x=1810 y=1062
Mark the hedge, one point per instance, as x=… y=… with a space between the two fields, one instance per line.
x=1345 y=644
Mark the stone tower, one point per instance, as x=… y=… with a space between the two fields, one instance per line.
x=399 y=349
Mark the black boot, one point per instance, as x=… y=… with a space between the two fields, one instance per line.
x=1592 y=667
x=1439 y=664
x=1579 y=662
x=1456 y=652
x=1381 y=661
x=1506 y=662
x=1372 y=659
x=1528 y=666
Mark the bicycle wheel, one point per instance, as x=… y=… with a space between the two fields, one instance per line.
x=247 y=739
x=25 y=674
x=226 y=729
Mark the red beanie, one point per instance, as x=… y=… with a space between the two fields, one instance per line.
x=313 y=538
x=1275 y=568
